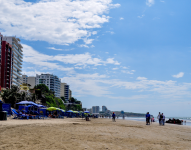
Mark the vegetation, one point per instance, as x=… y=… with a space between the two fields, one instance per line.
x=51 y=100
x=15 y=95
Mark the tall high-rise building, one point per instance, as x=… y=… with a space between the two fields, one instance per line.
x=50 y=80
x=70 y=93
x=29 y=80
x=17 y=59
x=95 y=109
x=6 y=64
x=104 y=108
x=65 y=91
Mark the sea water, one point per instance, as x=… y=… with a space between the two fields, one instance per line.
x=187 y=119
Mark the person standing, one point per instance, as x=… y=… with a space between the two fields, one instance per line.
x=147 y=118
x=158 y=117
x=113 y=117
x=163 y=119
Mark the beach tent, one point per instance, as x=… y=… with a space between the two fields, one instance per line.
x=86 y=112
x=70 y=113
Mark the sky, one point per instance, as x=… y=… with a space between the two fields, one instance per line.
x=127 y=55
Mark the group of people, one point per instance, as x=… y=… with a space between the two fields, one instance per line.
x=161 y=118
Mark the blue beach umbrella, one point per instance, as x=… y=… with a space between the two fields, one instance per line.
x=70 y=111
x=86 y=112
x=24 y=103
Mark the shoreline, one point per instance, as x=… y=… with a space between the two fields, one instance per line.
x=102 y=133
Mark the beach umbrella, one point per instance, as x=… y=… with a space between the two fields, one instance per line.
x=70 y=111
x=62 y=110
x=24 y=103
x=86 y=112
x=51 y=109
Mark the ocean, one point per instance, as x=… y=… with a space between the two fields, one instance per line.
x=187 y=119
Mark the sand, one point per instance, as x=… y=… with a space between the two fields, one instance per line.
x=97 y=134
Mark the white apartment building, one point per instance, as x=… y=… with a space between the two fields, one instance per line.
x=29 y=80
x=65 y=91
x=104 y=108
x=50 y=80
x=95 y=109
x=17 y=59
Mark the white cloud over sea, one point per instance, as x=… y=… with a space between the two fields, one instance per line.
x=58 y=22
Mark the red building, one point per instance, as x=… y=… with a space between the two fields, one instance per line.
x=6 y=65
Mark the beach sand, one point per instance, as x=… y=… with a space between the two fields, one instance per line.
x=97 y=134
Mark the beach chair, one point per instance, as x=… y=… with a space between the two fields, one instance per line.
x=19 y=116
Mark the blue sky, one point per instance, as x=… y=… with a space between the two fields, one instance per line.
x=127 y=55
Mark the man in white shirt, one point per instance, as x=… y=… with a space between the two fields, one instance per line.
x=158 y=117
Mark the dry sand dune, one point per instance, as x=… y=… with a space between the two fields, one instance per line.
x=97 y=134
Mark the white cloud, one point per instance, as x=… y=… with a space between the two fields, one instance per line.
x=121 y=18
x=94 y=32
x=128 y=72
x=107 y=52
x=141 y=78
x=111 y=61
x=162 y=1
x=111 y=32
x=179 y=75
x=55 y=21
x=97 y=85
x=115 y=68
x=53 y=61
x=83 y=45
x=141 y=16
x=150 y=2
x=92 y=46
x=88 y=41
x=54 y=48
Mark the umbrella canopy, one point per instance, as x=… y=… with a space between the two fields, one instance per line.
x=70 y=111
x=51 y=109
x=76 y=112
x=62 y=110
x=86 y=112
x=24 y=102
x=41 y=106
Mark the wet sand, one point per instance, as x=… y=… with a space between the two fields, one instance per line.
x=97 y=134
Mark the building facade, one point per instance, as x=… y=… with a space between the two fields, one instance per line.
x=70 y=94
x=104 y=108
x=6 y=64
x=65 y=91
x=90 y=110
x=50 y=80
x=95 y=109
x=29 y=80
x=17 y=59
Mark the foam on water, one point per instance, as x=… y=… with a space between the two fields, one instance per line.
x=187 y=119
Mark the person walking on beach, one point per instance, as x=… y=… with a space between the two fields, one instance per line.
x=163 y=119
x=158 y=117
x=113 y=117
x=147 y=118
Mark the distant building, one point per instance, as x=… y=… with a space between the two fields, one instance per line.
x=17 y=59
x=50 y=80
x=70 y=93
x=6 y=64
x=65 y=91
x=90 y=110
x=84 y=109
x=104 y=108
x=29 y=80
x=95 y=109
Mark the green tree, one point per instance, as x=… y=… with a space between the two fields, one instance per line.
x=12 y=95
x=43 y=88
